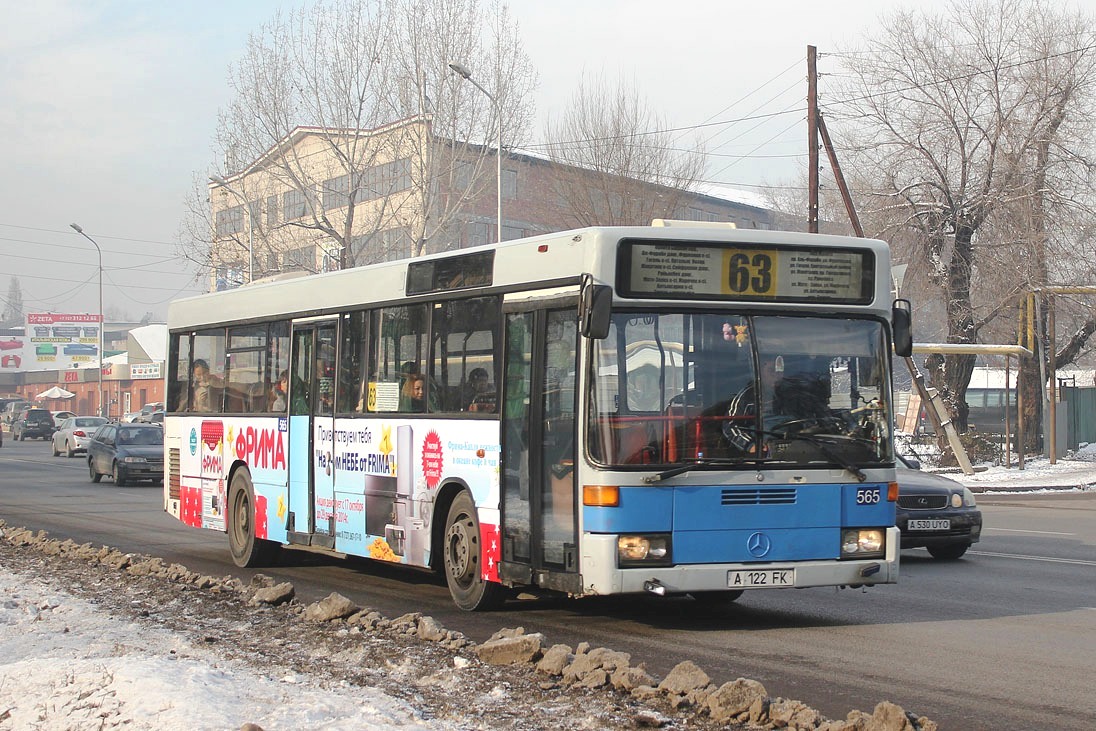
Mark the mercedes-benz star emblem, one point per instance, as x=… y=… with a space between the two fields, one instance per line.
x=759 y=545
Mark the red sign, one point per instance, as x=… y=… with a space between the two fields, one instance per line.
x=72 y=376
x=432 y=459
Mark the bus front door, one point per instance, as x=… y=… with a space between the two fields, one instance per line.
x=539 y=517
x=311 y=434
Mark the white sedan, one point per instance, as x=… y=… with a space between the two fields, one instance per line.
x=74 y=433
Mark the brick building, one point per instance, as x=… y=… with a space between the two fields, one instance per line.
x=324 y=199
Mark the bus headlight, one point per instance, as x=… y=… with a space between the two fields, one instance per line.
x=862 y=542
x=644 y=550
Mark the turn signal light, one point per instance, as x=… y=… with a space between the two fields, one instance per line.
x=601 y=496
x=892 y=492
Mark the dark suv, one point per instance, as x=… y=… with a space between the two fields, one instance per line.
x=32 y=423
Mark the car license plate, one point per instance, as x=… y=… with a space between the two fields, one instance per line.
x=760 y=578
x=937 y=524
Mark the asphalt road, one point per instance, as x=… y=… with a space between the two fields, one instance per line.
x=1004 y=638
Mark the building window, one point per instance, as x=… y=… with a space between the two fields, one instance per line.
x=509 y=184
x=302 y=258
x=229 y=276
x=272 y=211
x=230 y=221
x=477 y=233
x=336 y=192
x=462 y=177
x=386 y=179
x=391 y=243
x=294 y=205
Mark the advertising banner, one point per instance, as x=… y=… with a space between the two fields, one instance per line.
x=60 y=341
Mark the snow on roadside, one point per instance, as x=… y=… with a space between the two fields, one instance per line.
x=66 y=665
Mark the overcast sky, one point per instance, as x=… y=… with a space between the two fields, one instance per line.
x=109 y=110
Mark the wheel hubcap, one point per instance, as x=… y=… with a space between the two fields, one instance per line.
x=458 y=554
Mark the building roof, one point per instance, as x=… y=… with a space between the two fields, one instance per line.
x=152 y=339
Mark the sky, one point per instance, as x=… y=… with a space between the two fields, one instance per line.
x=110 y=108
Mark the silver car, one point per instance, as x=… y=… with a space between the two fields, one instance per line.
x=74 y=433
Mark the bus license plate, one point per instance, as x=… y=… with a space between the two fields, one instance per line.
x=938 y=524
x=762 y=578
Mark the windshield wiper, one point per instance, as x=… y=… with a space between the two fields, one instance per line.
x=699 y=462
x=823 y=445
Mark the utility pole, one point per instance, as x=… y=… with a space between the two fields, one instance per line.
x=935 y=408
x=812 y=140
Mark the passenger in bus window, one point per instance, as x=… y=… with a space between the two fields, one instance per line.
x=478 y=395
x=413 y=395
x=204 y=385
x=278 y=397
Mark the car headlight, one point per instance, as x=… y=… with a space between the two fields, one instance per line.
x=644 y=550
x=134 y=459
x=863 y=542
x=968 y=498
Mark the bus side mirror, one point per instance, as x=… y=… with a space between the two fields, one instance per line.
x=596 y=310
x=902 y=327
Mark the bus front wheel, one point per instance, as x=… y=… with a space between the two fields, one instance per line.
x=247 y=550
x=463 y=553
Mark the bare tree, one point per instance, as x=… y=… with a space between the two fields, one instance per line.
x=339 y=105
x=610 y=131
x=967 y=121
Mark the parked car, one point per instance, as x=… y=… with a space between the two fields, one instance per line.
x=157 y=418
x=145 y=414
x=129 y=452
x=129 y=416
x=935 y=513
x=74 y=433
x=12 y=409
x=32 y=422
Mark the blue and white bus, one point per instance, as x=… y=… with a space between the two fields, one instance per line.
x=673 y=409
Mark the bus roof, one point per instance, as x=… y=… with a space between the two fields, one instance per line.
x=548 y=260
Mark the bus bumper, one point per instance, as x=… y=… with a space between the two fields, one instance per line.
x=601 y=575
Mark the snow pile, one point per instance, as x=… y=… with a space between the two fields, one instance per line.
x=66 y=665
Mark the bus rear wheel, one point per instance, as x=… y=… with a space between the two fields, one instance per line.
x=463 y=558
x=247 y=550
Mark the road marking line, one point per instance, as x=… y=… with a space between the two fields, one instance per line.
x=1020 y=530
x=1077 y=561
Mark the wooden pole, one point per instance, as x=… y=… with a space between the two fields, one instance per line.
x=812 y=140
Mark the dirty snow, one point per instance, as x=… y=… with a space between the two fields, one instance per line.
x=67 y=665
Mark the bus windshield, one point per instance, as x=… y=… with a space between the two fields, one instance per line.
x=679 y=388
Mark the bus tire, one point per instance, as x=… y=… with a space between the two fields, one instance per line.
x=716 y=598
x=463 y=556
x=247 y=550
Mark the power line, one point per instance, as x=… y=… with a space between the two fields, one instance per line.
x=69 y=233
x=81 y=248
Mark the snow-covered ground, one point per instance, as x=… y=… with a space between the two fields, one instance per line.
x=66 y=665
x=1075 y=471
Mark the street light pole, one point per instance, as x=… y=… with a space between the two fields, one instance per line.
x=466 y=74
x=250 y=225
x=102 y=321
